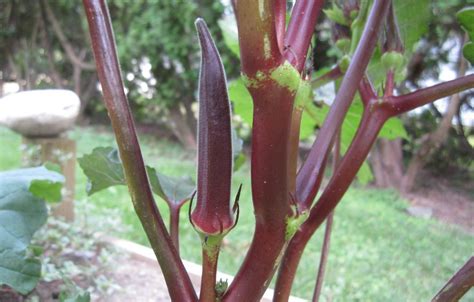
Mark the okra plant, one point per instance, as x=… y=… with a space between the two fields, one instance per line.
x=289 y=202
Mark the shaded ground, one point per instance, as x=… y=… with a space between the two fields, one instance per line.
x=450 y=204
x=138 y=281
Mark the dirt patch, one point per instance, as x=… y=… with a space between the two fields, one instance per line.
x=137 y=281
x=449 y=204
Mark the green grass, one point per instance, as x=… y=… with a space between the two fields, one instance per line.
x=378 y=253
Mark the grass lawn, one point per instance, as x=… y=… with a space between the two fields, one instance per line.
x=378 y=253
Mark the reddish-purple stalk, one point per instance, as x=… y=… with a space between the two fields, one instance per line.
x=273 y=107
x=177 y=279
x=174 y=225
x=279 y=8
x=459 y=284
x=304 y=17
x=311 y=173
x=327 y=232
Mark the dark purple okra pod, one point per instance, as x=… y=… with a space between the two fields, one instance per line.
x=213 y=214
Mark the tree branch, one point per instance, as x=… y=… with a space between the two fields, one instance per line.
x=75 y=60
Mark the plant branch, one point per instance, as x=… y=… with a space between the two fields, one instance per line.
x=210 y=255
x=459 y=284
x=324 y=258
x=280 y=22
x=177 y=279
x=340 y=181
x=366 y=91
x=332 y=75
x=375 y=115
x=310 y=175
x=300 y=30
x=174 y=225
x=407 y=102
x=327 y=233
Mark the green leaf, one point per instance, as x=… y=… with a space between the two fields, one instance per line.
x=22 y=213
x=237 y=147
x=364 y=176
x=468 y=52
x=466 y=19
x=172 y=189
x=242 y=100
x=393 y=129
x=313 y=117
x=75 y=297
x=103 y=169
x=413 y=18
x=47 y=189
x=336 y=15
x=229 y=31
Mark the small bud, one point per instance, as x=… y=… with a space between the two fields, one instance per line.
x=213 y=214
x=393 y=61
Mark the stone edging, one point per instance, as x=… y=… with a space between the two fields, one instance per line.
x=146 y=254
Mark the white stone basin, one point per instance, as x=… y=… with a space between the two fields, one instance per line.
x=40 y=113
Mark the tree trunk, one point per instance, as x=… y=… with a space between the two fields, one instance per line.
x=387 y=163
x=181 y=129
x=432 y=141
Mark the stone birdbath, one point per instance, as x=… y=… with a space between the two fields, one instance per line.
x=43 y=118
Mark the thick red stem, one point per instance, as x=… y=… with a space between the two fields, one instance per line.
x=273 y=108
x=310 y=175
x=294 y=146
x=177 y=279
x=300 y=30
x=258 y=41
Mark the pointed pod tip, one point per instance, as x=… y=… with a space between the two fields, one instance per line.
x=200 y=24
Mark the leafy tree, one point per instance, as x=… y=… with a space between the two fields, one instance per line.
x=160 y=57
x=44 y=44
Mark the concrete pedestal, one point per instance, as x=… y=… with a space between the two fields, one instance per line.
x=57 y=150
